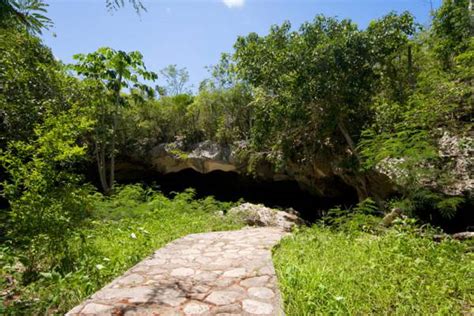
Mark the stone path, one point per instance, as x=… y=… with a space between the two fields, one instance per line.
x=220 y=273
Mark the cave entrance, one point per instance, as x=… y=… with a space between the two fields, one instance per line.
x=230 y=186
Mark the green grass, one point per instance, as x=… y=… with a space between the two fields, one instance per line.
x=353 y=268
x=121 y=232
x=325 y=271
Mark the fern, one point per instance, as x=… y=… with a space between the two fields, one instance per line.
x=113 y=5
x=366 y=207
x=448 y=207
x=28 y=13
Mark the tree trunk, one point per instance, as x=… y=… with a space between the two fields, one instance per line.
x=360 y=180
x=112 y=154
x=100 y=155
x=101 y=168
x=348 y=138
x=361 y=183
x=114 y=132
x=411 y=76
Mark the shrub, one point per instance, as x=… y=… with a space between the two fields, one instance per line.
x=361 y=218
x=46 y=197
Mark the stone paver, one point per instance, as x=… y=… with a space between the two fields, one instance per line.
x=219 y=273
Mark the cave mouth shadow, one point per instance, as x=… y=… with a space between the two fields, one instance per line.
x=232 y=187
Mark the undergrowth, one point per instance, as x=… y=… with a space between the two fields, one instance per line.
x=355 y=267
x=122 y=231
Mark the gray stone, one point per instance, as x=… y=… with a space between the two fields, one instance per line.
x=206 y=276
x=235 y=273
x=266 y=271
x=195 y=308
x=182 y=272
x=94 y=308
x=261 y=292
x=152 y=311
x=228 y=309
x=173 y=301
x=256 y=307
x=154 y=262
x=131 y=279
x=259 y=215
x=222 y=297
x=256 y=281
x=224 y=282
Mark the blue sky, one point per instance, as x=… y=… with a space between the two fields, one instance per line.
x=193 y=33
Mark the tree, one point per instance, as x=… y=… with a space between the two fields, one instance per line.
x=407 y=137
x=452 y=30
x=394 y=51
x=42 y=129
x=27 y=13
x=314 y=88
x=32 y=83
x=30 y=13
x=110 y=71
x=116 y=4
x=222 y=115
x=46 y=196
x=176 y=80
x=223 y=74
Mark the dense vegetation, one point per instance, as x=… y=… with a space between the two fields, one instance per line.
x=354 y=267
x=118 y=233
x=393 y=98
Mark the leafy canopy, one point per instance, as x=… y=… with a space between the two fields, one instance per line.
x=114 y=69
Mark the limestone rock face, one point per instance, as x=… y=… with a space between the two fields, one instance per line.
x=458 y=151
x=321 y=177
x=259 y=215
x=457 y=156
x=204 y=157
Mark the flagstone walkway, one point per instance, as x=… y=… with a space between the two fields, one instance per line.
x=219 y=273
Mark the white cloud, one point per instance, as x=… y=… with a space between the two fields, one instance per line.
x=234 y=3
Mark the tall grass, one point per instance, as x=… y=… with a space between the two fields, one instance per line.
x=328 y=271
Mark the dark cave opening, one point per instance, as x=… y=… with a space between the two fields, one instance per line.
x=230 y=186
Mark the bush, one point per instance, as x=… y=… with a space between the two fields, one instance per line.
x=47 y=200
x=361 y=218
